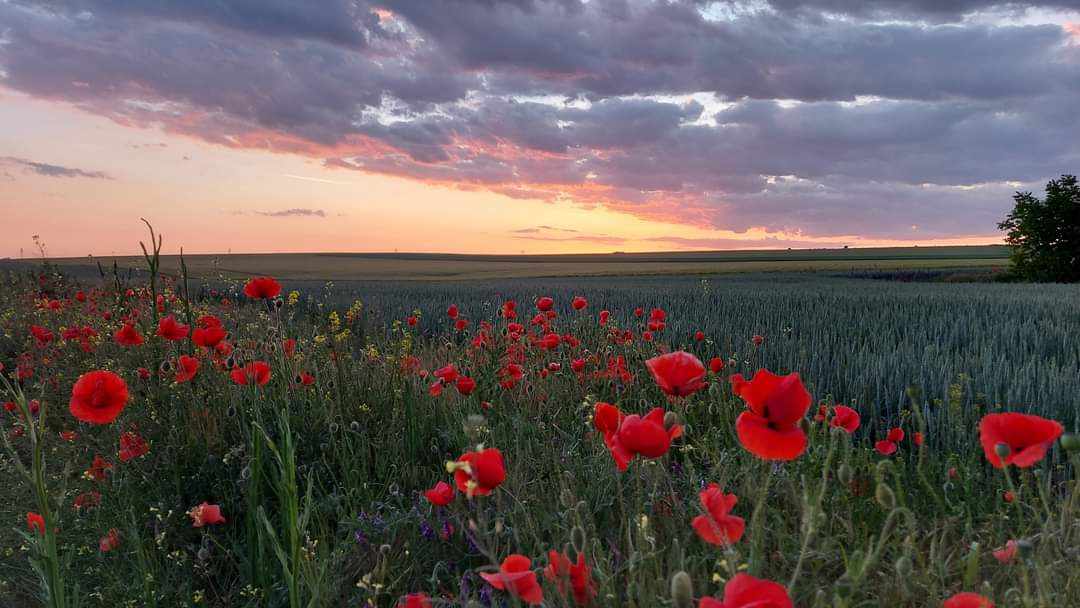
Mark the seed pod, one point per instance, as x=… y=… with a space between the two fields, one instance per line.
x=1002 y=450
x=682 y=590
x=845 y=474
x=1070 y=442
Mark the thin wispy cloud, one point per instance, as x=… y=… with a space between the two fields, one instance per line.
x=297 y=212
x=51 y=170
x=318 y=180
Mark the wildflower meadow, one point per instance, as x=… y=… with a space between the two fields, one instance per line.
x=181 y=441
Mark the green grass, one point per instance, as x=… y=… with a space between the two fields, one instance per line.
x=321 y=484
x=420 y=266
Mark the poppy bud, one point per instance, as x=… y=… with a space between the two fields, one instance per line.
x=805 y=424
x=903 y=566
x=231 y=411
x=1024 y=547
x=566 y=498
x=245 y=473
x=1002 y=450
x=499 y=526
x=1070 y=442
x=670 y=419
x=577 y=539
x=845 y=474
x=885 y=496
x=682 y=590
x=166 y=366
x=354 y=426
x=914 y=392
x=333 y=427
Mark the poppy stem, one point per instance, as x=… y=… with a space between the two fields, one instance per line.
x=813 y=511
x=755 y=523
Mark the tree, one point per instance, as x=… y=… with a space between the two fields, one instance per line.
x=1045 y=234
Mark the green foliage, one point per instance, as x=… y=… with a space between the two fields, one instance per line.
x=321 y=484
x=1045 y=234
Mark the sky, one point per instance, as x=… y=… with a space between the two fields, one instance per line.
x=528 y=126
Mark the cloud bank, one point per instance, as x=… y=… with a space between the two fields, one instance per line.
x=820 y=118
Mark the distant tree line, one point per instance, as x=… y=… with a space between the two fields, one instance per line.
x=1045 y=234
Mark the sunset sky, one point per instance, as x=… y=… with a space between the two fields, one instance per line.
x=508 y=126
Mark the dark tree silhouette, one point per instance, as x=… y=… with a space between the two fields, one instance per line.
x=1045 y=234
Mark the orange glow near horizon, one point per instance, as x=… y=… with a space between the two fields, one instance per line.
x=212 y=198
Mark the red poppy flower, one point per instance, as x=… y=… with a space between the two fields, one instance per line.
x=1007 y=553
x=35 y=522
x=478 y=473
x=770 y=428
x=678 y=374
x=132 y=446
x=289 y=346
x=716 y=365
x=757 y=340
x=208 y=337
x=579 y=303
x=885 y=447
x=896 y=435
x=447 y=374
x=257 y=372
x=968 y=600
x=641 y=436
x=128 y=336
x=718 y=527
x=560 y=570
x=577 y=365
x=41 y=335
x=452 y=311
x=440 y=495
x=1008 y=496
x=186 y=368
x=545 y=304
x=415 y=600
x=745 y=591
x=699 y=336
x=170 y=329
x=549 y=341
x=98 y=397
x=436 y=388
x=98 y=468
x=510 y=375
x=917 y=439
x=607 y=418
x=843 y=417
x=515 y=577
x=110 y=541
x=143 y=373
x=1026 y=436
x=262 y=288
x=205 y=514
x=86 y=500
x=604 y=314
x=465 y=385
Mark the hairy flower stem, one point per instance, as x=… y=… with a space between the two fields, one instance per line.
x=813 y=512
x=755 y=524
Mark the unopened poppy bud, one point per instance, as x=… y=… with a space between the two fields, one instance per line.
x=845 y=474
x=1002 y=450
x=566 y=498
x=805 y=424
x=682 y=590
x=499 y=526
x=914 y=392
x=1070 y=442
x=670 y=419
x=903 y=566
x=577 y=539
x=354 y=426
x=885 y=496
x=1024 y=548
x=334 y=427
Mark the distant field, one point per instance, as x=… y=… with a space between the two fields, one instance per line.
x=419 y=266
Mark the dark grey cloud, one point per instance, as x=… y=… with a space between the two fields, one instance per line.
x=780 y=115
x=50 y=170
